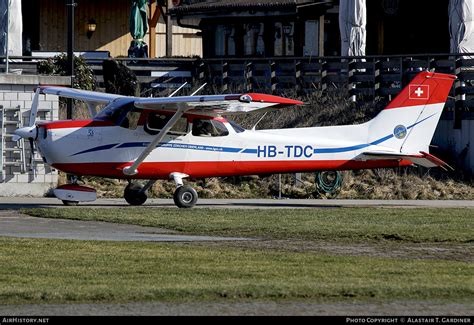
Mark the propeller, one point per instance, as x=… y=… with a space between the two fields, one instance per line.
x=30 y=132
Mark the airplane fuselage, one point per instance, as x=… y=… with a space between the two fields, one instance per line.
x=186 y=136
x=100 y=148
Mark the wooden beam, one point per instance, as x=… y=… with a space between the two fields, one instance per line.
x=321 y=35
x=169 y=30
x=152 y=22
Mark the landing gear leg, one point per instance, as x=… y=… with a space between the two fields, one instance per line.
x=135 y=194
x=184 y=196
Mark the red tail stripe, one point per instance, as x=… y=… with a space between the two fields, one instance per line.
x=438 y=86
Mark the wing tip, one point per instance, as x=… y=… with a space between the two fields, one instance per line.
x=257 y=97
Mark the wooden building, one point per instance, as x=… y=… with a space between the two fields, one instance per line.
x=245 y=28
x=45 y=29
x=264 y=28
x=407 y=27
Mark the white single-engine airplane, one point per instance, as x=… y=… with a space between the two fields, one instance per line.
x=187 y=136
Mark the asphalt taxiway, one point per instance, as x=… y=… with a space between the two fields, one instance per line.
x=38 y=202
x=15 y=224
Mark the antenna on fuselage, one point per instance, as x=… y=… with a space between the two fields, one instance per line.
x=253 y=128
x=179 y=88
x=194 y=93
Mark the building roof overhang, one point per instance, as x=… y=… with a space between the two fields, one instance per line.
x=222 y=8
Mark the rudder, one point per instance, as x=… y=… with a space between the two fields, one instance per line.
x=408 y=123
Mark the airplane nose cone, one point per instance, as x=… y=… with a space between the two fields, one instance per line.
x=26 y=132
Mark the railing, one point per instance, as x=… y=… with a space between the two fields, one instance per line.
x=368 y=76
x=364 y=78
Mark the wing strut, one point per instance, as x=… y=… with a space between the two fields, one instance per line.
x=132 y=170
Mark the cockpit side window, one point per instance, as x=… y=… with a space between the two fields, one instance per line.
x=156 y=121
x=209 y=128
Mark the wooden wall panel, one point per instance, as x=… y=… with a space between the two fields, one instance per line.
x=185 y=41
x=112 y=33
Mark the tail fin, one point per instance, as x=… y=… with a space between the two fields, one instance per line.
x=408 y=123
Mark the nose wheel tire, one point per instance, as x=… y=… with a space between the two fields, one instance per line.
x=185 y=197
x=133 y=196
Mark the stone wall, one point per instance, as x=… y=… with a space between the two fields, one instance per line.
x=18 y=176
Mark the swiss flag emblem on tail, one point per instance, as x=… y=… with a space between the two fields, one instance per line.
x=419 y=92
x=425 y=89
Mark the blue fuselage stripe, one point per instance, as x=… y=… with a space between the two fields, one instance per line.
x=237 y=150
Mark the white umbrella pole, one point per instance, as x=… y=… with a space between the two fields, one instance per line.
x=6 y=37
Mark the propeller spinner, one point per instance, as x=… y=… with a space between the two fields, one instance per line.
x=29 y=132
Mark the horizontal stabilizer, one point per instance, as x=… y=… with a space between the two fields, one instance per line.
x=422 y=159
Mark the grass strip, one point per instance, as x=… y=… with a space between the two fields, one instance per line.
x=61 y=271
x=344 y=224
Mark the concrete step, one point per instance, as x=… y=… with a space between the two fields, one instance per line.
x=12 y=163
x=12 y=149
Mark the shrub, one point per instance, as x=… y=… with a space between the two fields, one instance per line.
x=83 y=75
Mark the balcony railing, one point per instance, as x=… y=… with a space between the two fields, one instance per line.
x=364 y=78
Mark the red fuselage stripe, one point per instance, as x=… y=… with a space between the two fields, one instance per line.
x=76 y=124
x=162 y=170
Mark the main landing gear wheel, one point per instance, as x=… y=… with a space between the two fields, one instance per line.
x=185 y=197
x=134 y=195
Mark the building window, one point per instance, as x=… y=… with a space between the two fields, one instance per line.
x=254 y=44
x=219 y=41
x=284 y=40
x=311 y=38
x=230 y=40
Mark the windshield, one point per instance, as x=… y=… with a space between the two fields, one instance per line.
x=121 y=112
x=236 y=127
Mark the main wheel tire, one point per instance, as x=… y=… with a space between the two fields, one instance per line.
x=70 y=203
x=185 y=197
x=133 y=196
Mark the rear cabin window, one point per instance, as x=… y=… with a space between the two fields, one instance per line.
x=155 y=122
x=209 y=128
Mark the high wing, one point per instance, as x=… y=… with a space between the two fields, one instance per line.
x=423 y=158
x=217 y=104
x=85 y=95
x=208 y=104
x=91 y=98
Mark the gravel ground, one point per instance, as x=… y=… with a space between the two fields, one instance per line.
x=397 y=308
